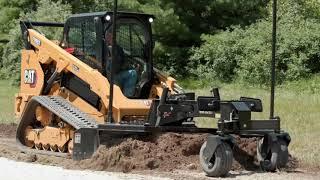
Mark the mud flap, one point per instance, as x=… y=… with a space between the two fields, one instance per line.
x=214 y=141
x=86 y=142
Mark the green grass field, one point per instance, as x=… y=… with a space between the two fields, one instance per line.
x=298 y=109
x=7 y=93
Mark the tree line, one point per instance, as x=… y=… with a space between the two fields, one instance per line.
x=218 y=39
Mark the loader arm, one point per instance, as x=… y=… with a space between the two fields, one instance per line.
x=48 y=51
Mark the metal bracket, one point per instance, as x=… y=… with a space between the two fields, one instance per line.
x=86 y=142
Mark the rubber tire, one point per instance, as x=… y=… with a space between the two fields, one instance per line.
x=278 y=157
x=223 y=160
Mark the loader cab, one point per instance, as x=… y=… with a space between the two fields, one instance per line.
x=85 y=36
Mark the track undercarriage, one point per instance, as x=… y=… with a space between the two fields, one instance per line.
x=49 y=123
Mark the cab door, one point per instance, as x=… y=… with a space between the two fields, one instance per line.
x=134 y=39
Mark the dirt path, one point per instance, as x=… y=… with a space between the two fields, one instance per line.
x=10 y=170
x=13 y=169
x=169 y=155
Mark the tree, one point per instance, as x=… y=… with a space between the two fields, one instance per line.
x=245 y=53
x=11 y=50
x=10 y=10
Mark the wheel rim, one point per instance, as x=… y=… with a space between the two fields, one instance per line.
x=211 y=162
x=221 y=161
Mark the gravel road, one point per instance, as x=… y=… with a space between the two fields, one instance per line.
x=20 y=171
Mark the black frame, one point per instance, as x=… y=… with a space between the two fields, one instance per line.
x=101 y=25
x=148 y=36
x=25 y=25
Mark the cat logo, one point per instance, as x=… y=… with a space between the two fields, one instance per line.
x=29 y=76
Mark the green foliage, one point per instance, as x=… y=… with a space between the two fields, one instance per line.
x=244 y=53
x=215 y=58
x=202 y=16
x=214 y=40
x=11 y=9
x=11 y=51
x=179 y=24
x=83 y=6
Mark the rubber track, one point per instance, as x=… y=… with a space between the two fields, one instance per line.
x=60 y=107
x=66 y=111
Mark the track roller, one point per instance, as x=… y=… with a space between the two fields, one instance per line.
x=219 y=164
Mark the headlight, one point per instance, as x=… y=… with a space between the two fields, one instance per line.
x=108 y=18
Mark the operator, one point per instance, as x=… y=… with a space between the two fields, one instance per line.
x=125 y=78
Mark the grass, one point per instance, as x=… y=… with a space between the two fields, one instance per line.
x=296 y=104
x=7 y=93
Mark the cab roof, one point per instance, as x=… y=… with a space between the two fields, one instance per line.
x=104 y=13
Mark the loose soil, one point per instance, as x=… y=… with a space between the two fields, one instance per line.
x=8 y=130
x=167 y=152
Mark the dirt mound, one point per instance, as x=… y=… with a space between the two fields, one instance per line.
x=244 y=154
x=8 y=130
x=166 y=152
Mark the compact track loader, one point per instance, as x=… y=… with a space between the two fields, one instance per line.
x=70 y=101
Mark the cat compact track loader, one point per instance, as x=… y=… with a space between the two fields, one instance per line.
x=71 y=97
